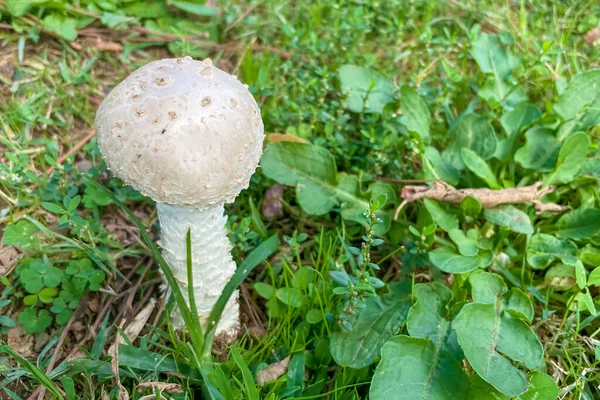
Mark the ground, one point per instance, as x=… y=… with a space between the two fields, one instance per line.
x=364 y=104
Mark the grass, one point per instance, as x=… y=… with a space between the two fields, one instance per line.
x=289 y=53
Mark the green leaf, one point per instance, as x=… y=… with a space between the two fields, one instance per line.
x=489 y=338
x=20 y=234
x=519 y=304
x=544 y=249
x=466 y=246
x=475 y=133
x=194 y=7
x=440 y=216
x=579 y=224
x=438 y=168
x=570 y=159
x=53 y=208
x=18 y=8
x=509 y=217
x=586 y=301
x=594 y=278
x=314 y=316
x=470 y=206
x=290 y=297
x=412 y=368
x=540 y=151
x=583 y=91
x=415 y=113
x=250 y=387
x=522 y=115
x=479 y=167
x=64 y=27
x=31 y=280
x=445 y=259
x=372 y=326
x=308 y=167
x=580 y=274
x=35 y=322
x=312 y=170
x=541 y=387
x=368 y=91
x=492 y=57
x=481 y=390
x=487 y=288
x=560 y=276
x=265 y=290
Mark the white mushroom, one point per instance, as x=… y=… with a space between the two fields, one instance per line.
x=189 y=136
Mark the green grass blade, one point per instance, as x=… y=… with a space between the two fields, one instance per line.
x=258 y=255
x=195 y=334
x=37 y=373
x=251 y=391
x=190 y=278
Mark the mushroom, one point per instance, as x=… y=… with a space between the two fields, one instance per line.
x=189 y=136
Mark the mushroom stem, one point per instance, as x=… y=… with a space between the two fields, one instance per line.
x=212 y=264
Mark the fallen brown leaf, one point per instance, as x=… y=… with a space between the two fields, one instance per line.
x=20 y=342
x=135 y=327
x=592 y=36
x=8 y=259
x=284 y=137
x=273 y=371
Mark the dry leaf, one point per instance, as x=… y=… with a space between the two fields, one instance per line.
x=161 y=386
x=273 y=371
x=135 y=327
x=8 y=259
x=592 y=36
x=284 y=137
x=20 y=341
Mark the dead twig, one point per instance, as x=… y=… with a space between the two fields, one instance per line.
x=488 y=198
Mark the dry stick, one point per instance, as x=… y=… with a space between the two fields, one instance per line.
x=487 y=197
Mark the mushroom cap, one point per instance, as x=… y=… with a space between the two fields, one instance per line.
x=181 y=132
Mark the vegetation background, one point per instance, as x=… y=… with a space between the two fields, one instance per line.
x=361 y=101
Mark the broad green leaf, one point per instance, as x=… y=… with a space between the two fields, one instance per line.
x=522 y=115
x=579 y=224
x=570 y=159
x=560 y=276
x=290 y=297
x=311 y=169
x=492 y=57
x=541 y=387
x=426 y=365
x=445 y=259
x=436 y=167
x=481 y=390
x=368 y=91
x=475 y=133
x=20 y=234
x=470 y=206
x=509 y=217
x=583 y=91
x=594 y=278
x=497 y=92
x=491 y=338
x=487 y=288
x=479 y=167
x=413 y=369
x=444 y=219
x=544 y=249
x=585 y=301
x=64 y=27
x=590 y=255
x=519 y=304
x=466 y=246
x=198 y=8
x=372 y=326
x=18 y=8
x=415 y=113
x=580 y=274
x=540 y=151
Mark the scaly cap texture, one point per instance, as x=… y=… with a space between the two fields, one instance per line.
x=182 y=132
